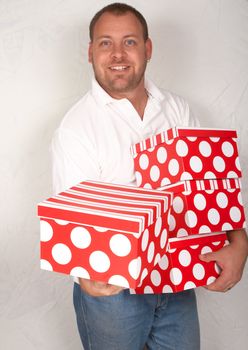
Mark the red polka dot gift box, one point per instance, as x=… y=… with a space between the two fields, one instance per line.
x=180 y=268
x=104 y=232
x=184 y=154
x=203 y=206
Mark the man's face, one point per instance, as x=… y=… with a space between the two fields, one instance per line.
x=119 y=53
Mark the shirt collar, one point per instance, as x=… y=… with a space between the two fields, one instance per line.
x=104 y=98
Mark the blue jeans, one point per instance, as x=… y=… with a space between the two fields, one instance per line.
x=128 y=322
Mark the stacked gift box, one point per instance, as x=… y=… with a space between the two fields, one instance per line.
x=104 y=232
x=201 y=167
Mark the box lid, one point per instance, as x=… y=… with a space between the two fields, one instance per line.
x=170 y=134
x=195 y=240
x=203 y=185
x=122 y=208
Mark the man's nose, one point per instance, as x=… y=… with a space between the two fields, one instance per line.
x=118 y=51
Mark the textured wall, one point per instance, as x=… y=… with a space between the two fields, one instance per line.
x=200 y=52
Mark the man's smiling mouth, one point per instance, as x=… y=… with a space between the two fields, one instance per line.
x=119 y=68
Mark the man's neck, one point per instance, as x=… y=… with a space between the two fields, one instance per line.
x=139 y=103
x=138 y=98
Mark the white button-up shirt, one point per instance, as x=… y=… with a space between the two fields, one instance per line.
x=94 y=138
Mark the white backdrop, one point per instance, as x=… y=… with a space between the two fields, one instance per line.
x=200 y=52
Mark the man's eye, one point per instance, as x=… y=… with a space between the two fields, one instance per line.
x=105 y=43
x=130 y=42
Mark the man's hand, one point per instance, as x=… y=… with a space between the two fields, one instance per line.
x=98 y=289
x=231 y=259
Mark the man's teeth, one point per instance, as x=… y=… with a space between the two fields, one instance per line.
x=119 y=68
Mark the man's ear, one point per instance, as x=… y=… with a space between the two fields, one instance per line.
x=90 y=53
x=148 y=45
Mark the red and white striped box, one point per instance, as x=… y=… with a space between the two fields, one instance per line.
x=104 y=232
x=204 y=206
x=180 y=268
x=184 y=154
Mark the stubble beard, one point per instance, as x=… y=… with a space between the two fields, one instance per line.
x=118 y=84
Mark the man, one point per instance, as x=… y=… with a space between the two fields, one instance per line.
x=93 y=142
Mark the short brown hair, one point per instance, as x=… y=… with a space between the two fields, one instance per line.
x=119 y=9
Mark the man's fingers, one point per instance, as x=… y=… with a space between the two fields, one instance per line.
x=115 y=289
x=99 y=284
x=221 y=284
x=208 y=257
x=97 y=288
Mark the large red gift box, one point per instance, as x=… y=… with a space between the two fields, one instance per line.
x=202 y=206
x=104 y=232
x=184 y=154
x=180 y=268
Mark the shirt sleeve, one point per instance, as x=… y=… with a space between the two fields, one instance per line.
x=178 y=111
x=74 y=160
x=188 y=118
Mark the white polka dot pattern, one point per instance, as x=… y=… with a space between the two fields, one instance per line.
x=198 y=271
x=205 y=148
x=80 y=237
x=206 y=249
x=172 y=223
x=219 y=164
x=227 y=149
x=158 y=226
x=144 y=274
x=118 y=280
x=222 y=200
x=46 y=231
x=164 y=263
x=204 y=211
x=173 y=167
x=204 y=229
x=61 y=254
x=157 y=259
x=61 y=222
x=190 y=218
x=235 y=214
x=100 y=229
x=145 y=240
x=213 y=216
x=167 y=289
x=176 y=276
x=99 y=261
x=135 y=267
x=180 y=268
x=165 y=181
x=184 y=257
x=163 y=238
x=162 y=155
x=155 y=278
x=182 y=148
x=187 y=158
x=111 y=247
x=154 y=173
x=200 y=201
x=178 y=204
x=97 y=253
x=196 y=164
x=45 y=265
x=148 y=290
x=138 y=178
x=189 y=285
x=120 y=245
x=210 y=280
x=151 y=251
x=144 y=161
x=79 y=271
